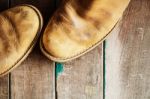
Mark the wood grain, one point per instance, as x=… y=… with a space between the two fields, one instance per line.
x=127 y=54
x=4 y=81
x=82 y=78
x=35 y=77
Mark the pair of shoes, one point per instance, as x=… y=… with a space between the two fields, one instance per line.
x=75 y=28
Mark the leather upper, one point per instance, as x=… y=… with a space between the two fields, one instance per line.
x=80 y=24
x=18 y=29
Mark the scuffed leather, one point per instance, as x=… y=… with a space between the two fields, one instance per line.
x=18 y=28
x=79 y=24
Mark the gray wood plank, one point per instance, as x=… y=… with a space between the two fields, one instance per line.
x=81 y=78
x=35 y=77
x=4 y=81
x=128 y=54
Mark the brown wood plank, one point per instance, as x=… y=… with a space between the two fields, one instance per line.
x=4 y=92
x=128 y=54
x=81 y=78
x=35 y=77
x=4 y=81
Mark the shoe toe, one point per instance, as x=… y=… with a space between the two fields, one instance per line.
x=70 y=35
x=19 y=27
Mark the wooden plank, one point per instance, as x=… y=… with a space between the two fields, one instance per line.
x=35 y=77
x=128 y=55
x=4 y=81
x=81 y=78
x=4 y=92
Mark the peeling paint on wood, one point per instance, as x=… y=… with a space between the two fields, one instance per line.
x=82 y=78
x=59 y=69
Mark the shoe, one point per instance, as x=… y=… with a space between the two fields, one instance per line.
x=19 y=29
x=78 y=26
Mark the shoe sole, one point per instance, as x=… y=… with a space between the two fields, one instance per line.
x=62 y=60
x=32 y=44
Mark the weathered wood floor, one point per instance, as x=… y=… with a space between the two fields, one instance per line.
x=117 y=69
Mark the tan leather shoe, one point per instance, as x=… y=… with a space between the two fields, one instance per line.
x=78 y=26
x=19 y=29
